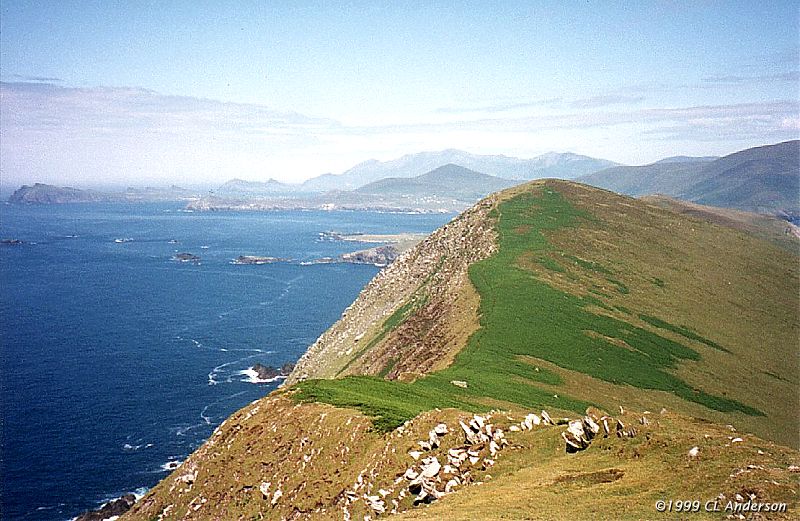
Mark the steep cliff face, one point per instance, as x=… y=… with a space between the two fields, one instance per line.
x=415 y=314
x=510 y=350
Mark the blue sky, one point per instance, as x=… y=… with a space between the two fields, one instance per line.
x=192 y=91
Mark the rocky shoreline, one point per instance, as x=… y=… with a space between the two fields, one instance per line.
x=268 y=373
x=110 y=510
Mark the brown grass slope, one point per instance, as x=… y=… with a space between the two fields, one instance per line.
x=428 y=283
x=768 y=227
x=277 y=459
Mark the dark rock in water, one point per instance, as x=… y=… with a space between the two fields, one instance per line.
x=187 y=257
x=379 y=256
x=253 y=259
x=113 y=508
x=266 y=372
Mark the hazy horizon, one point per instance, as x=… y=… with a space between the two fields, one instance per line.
x=100 y=185
x=189 y=93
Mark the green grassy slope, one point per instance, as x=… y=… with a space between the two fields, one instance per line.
x=551 y=309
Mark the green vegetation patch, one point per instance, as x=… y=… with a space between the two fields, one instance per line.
x=522 y=317
x=686 y=332
x=590 y=265
x=550 y=264
x=390 y=403
x=388 y=369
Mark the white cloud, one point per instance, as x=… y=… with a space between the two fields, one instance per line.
x=69 y=135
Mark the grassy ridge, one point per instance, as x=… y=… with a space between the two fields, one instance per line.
x=523 y=317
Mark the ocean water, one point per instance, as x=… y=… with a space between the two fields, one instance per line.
x=116 y=360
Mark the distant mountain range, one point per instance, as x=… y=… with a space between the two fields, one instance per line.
x=552 y=164
x=763 y=179
x=449 y=180
x=448 y=188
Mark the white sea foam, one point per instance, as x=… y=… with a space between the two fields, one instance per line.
x=252 y=377
x=205 y=417
x=137 y=494
x=221 y=373
x=171 y=465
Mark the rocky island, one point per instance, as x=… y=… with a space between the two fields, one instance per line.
x=186 y=257
x=255 y=259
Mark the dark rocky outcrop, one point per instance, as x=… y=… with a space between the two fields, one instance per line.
x=379 y=256
x=187 y=257
x=113 y=508
x=267 y=372
x=254 y=259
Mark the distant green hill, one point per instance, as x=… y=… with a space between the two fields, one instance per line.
x=446 y=181
x=762 y=179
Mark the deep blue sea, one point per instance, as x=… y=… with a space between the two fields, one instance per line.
x=117 y=359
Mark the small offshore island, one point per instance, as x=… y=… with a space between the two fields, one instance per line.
x=255 y=259
x=186 y=257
